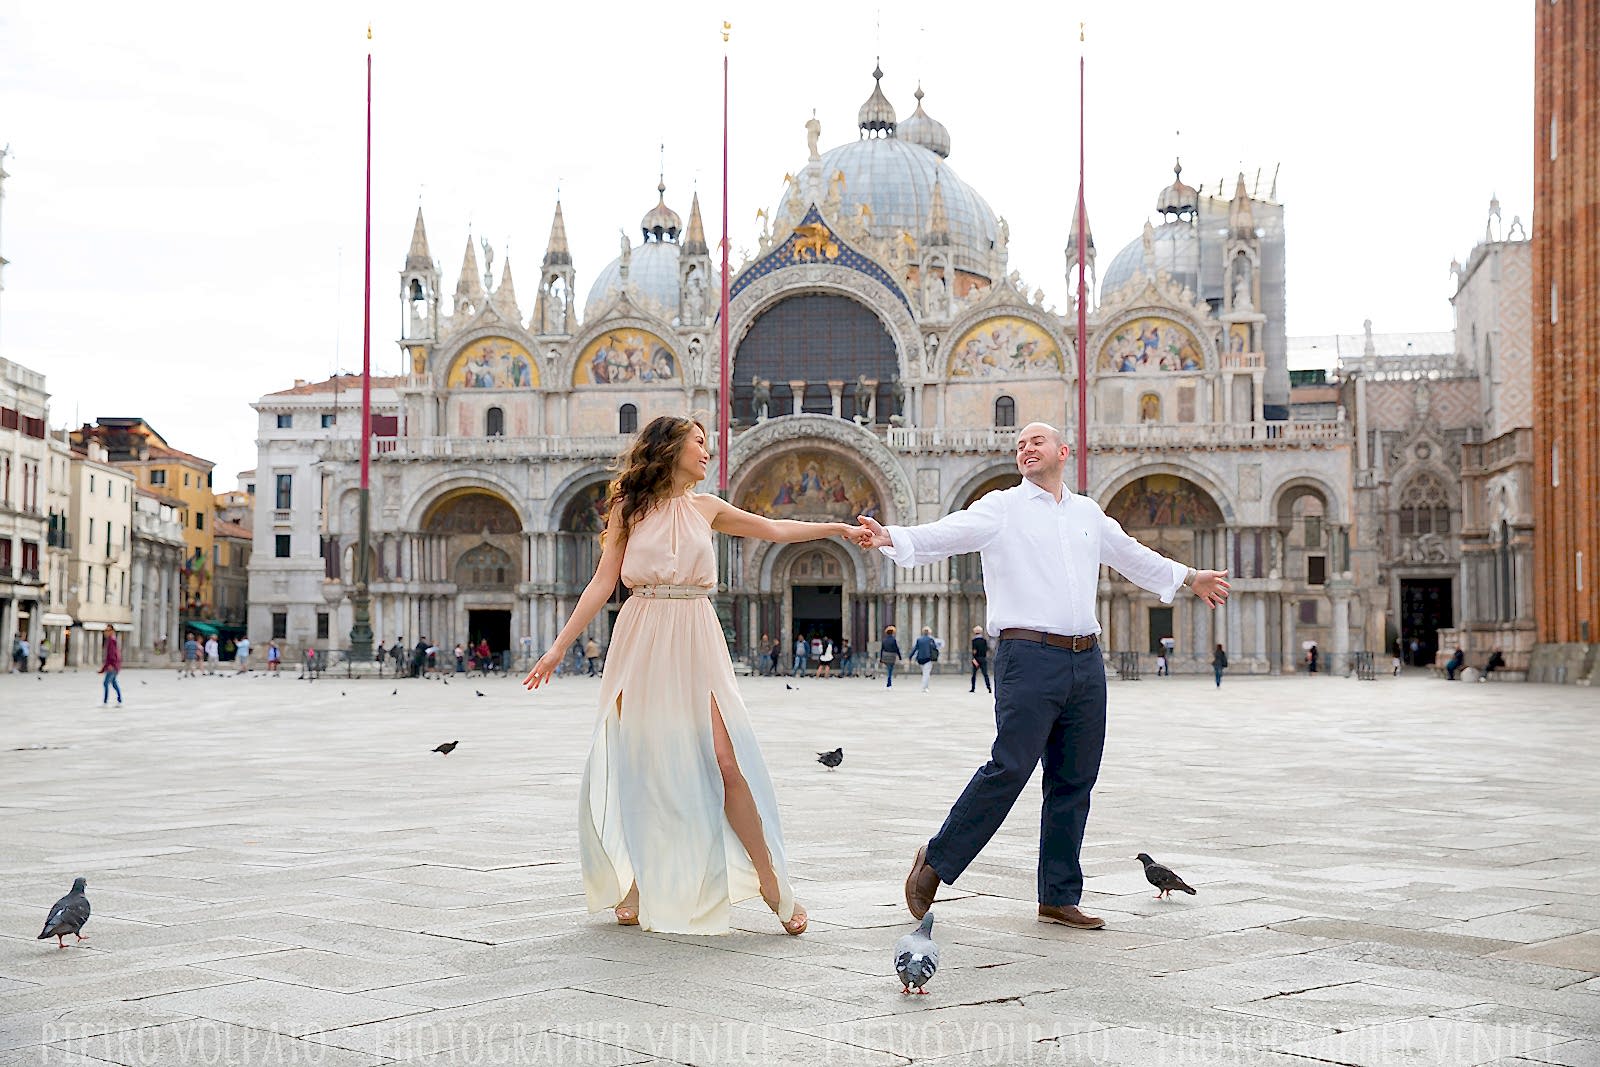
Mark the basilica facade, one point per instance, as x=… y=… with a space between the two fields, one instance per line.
x=883 y=357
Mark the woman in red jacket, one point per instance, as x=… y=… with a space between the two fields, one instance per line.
x=109 y=668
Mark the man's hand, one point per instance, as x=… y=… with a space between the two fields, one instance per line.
x=1211 y=586
x=871 y=534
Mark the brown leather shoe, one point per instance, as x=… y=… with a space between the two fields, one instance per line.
x=921 y=885
x=1069 y=915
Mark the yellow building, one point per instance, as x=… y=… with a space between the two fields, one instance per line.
x=134 y=444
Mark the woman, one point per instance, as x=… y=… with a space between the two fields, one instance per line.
x=1219 y=663
x=677 y=817
x=889 y=654
x=825 y=661
x=110 y=664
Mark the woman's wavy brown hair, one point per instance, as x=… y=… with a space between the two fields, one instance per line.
x=646 y=470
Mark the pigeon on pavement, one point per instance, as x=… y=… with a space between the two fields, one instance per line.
x=447 y=748
x=916 y=957
x=1163 y=878
x=832 y=759
x=786 y=685
x=68 y=915
x=395 y=693
x=478 y=691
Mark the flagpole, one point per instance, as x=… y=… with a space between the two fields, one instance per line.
x=1083 y=289
x=724 y=385
x=361 y=624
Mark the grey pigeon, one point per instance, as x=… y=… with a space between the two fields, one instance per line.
x=1163 y=878
x=67 y=915
x=832 y=759
x=478 y=691
x=916 y=957
x=447 y=748
x=786 y=685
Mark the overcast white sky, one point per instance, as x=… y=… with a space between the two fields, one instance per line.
x=184 y=216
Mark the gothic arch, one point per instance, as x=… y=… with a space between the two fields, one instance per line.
x=446 y=357
x=1007 y=308
x=1291 y=489
x=1204 y=331
x=574 y=484
x=628 y=316
x=975 y=480
x=775 y=565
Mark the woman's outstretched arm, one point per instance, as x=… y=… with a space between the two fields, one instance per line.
x=607 y=573
x=736 y=522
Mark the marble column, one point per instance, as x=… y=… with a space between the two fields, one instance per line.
x=836 y=391
x=1258 y=603
x=1291 y=647
x=798 y=388
x=1341 y=630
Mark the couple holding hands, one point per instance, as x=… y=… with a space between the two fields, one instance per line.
x=678 y=819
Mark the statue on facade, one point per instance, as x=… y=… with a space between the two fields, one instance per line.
x=694 y=301
x=899 y=389
x=1241 y=284
x=627 y=254
x=696 y=360
x=1002 y=239
x=760 y=397
x=488 y=264
x=813 y=135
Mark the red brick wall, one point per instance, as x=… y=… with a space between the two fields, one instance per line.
x=1566 y=353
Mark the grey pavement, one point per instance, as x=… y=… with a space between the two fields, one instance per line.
x=1397 y=872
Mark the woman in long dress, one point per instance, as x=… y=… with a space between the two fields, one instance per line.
x=677 y=818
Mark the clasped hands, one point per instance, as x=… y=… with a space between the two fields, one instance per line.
x=868 y=535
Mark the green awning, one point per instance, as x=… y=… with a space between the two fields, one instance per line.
x=204 y=629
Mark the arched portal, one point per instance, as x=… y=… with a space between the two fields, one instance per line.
x=472 y=538
x=577 y=545
x=1180 y=520
x=816 y=338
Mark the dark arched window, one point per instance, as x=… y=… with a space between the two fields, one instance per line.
x=816 y=338
x=1005 y=411
x=628 y=419
x=494 y=423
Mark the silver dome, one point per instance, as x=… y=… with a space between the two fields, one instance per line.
x=923 y=129
x=895 y=179
x=652 y=281
x=1176 y=248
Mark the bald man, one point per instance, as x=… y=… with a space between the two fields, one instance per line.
x=1042 y=548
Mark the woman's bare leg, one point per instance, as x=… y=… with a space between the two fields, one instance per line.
x=740 y=806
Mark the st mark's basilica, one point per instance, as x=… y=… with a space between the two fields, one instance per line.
x=883 y=357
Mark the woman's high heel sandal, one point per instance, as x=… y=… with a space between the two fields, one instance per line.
x=627 y=914
x=796 y=924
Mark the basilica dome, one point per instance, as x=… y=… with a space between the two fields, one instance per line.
x=1174 y=248
x=653 y=280
x=893 y=175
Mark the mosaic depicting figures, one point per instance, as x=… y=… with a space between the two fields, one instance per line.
x=619 y=357
x=1006 y=345
x=1238 y=337
x=1163 y=500
x=811 y=485
x=585 y=513
x=492 y=363
x=1151 y=344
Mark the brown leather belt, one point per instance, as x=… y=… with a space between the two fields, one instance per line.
x=1072 y=644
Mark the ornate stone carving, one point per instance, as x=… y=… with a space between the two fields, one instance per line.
x=751 y=445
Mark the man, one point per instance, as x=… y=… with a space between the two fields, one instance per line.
x=241 y=655
x=591 y=652
x=191 y=655
x=1042 y=548
x=44 y=655
x=802 y=649
x=980 y=660
x=924 y=650
x=213 y=654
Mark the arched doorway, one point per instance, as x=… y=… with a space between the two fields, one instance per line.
x=1180 y=520
x=577 y=543
x=476 y=537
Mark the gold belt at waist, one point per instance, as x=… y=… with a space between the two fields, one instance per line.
x=671 y=592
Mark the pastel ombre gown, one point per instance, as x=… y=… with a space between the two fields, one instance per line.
x=650 y=808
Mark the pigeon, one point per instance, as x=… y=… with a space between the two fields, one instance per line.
x=478 y=691
x=916 y=957
x=447 y=748
x=446 y=681
x=395 y=693
x=1163 y=878
x=68 y=915
x=786 y=685
x=832 y=759
x=341 y=692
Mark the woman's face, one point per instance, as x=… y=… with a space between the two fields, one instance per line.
x=693 y=458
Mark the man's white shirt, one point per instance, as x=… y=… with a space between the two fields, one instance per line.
x=1041 y=557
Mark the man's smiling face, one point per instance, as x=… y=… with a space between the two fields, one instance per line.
x=1041 y=454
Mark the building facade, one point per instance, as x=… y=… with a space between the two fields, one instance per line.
x=24 y=527
x=100 y=593
x=159 y=553
x=884 y=355
x=1566 y=340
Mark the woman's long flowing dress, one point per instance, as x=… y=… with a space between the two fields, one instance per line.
x=650 y=808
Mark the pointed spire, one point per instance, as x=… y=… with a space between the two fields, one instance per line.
x=1492 y=225
x=1178 y=200
x=661 y=223
x=694 y=243
x=1241 y=219
x=417 y=258
x=1072 y=240
x=938 y=218
x=556 y=252
x=877 y=114
x=469 y=290
x=505 y=297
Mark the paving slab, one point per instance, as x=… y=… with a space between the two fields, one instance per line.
x=1390 y=872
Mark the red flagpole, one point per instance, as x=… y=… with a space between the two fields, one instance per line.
x=366 y=299
x=1083 y=311
x=724 y=386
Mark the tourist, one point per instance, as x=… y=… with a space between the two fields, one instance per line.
x=925 y=652
x=273 y=655
x=191 y=655
x=241 y=655
x=825 y=659
x=110 y=665
x=1219 y=663
x=591 y=652
x=980 y=660
x=889 y=654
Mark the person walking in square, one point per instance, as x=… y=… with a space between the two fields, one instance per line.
x=677 y=817
x=889 y=654
x=273 y=655
x=1042 y=547
x=980 y=660
x=1219 y=663
x=44 y=655
x=191 y=655
x=110 y=665
x=213 y=654
x=591 y=652
x=924 y=652
x=802 y=649
x=241 y=655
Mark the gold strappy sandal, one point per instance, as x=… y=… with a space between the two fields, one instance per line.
x=627 y=914
x=797 y=923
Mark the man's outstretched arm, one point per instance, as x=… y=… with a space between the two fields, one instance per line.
x=968 y=530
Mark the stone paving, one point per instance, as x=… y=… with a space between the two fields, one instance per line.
x=1403 y=872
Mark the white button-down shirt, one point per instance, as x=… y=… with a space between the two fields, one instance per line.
x=1041 y=557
